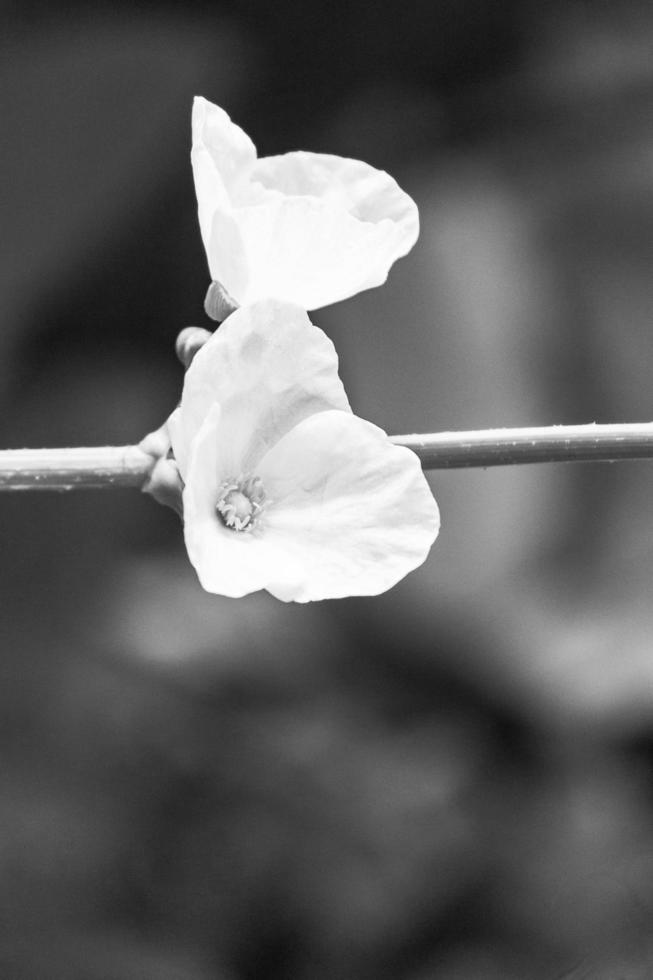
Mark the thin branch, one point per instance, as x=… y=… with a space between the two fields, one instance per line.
x=545 y=444
x=130 y=466
x=74 y=469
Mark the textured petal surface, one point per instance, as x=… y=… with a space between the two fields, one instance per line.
x=269 y=368
x=365 y=192
x=307 y=228
x=351 y=513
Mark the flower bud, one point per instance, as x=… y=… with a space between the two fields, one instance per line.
x=189 y=342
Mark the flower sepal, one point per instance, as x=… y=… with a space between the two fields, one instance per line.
x=164 y=482
x=218 y=304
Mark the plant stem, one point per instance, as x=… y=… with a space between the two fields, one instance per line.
x=545 y=444
x=130 y=466
x=73 y=469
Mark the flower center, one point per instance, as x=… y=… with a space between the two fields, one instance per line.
x=241 y=502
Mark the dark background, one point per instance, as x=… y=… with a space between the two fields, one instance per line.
x=452 y=781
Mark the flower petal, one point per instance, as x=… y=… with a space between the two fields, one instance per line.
x=366 y=193
x=227 y=562
x=222 y=156
x=269 y=368
x=350 y=512
x=321 y=228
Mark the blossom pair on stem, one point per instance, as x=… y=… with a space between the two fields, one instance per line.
x=284 y=488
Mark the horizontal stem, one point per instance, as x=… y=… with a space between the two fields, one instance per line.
x=129 y=466
x=73 y=469
x=544 y=444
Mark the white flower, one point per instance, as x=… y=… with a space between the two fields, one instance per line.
x=284 y=488
x=309 y=228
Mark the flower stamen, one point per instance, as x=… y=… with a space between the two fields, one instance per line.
x=241 y=501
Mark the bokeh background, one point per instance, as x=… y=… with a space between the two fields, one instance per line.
x=450 y=782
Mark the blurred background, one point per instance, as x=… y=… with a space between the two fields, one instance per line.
x=453 y=781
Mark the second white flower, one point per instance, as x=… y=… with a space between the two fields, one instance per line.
x=309 y=228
